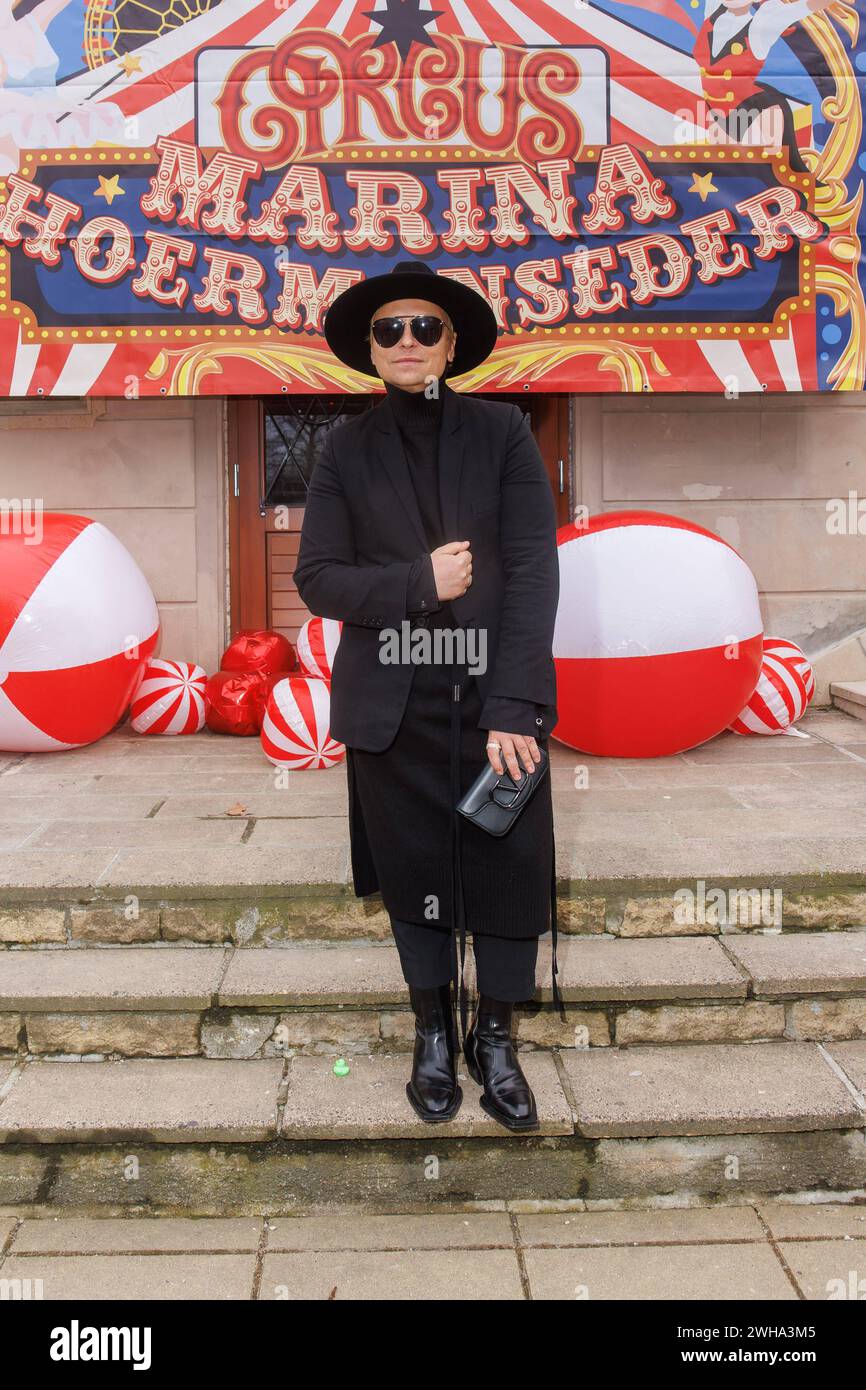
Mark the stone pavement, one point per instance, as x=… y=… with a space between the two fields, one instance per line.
x=766 y=1251
x=206 y=811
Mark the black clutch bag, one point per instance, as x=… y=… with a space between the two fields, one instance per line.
x=495 y=800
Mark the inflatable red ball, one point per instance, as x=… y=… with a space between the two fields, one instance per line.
x=235 y=702
x=259 y=650
x=78 y=623
x=658 y=635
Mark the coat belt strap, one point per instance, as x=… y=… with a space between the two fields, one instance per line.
x=458 y=906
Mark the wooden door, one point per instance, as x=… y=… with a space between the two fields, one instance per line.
x=274 y=443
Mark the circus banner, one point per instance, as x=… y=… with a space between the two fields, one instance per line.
x=657 y=196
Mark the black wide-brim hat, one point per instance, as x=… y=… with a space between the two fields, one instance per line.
x=347 y=321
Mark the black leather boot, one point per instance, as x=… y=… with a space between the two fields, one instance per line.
x=493 y=1064
x=433 y=1090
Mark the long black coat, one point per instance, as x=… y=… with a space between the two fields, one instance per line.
x=361 y=539
x=362 y=533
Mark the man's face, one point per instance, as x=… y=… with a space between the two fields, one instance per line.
x=409 y=364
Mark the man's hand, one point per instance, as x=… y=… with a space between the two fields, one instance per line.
x=452 y=569
x=512 y=747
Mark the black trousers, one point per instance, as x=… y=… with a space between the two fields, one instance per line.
x=505 y=967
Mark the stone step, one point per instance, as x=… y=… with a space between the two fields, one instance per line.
x=282 y=1134
x=326 y=997
x=850 y=697
x=690 y=904
x=605 y=1093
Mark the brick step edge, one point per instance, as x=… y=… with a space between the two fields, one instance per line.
x=262 y=917
x=319 y=1030
x=293 y=1178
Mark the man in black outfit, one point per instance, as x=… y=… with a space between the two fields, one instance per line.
x=435 y=510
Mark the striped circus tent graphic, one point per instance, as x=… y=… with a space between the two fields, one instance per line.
x=785 y=687
x=296 y=730
x=169 y=699
x=654 y=78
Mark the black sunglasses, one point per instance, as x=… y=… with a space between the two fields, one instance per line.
x=426 y=329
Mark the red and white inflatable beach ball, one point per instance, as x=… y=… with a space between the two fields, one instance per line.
x=658 y=635
x=296 y=732
x=318 y=640
x=785 y=687
x=169 y=698
x=78 y=623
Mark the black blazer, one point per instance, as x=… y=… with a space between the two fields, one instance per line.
x=362 y=536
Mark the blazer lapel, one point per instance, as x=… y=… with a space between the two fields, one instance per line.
x=452 y=444
x=393 y=463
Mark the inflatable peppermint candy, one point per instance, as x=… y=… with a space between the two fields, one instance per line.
x=296 y=732
x=78 y=623
x=317 y=645
x=658 y=635
x=169 y=698
x=785 y=687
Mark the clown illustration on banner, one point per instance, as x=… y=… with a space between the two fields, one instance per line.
x=660 y=195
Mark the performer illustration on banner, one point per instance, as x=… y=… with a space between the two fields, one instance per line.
x=731 y=50
x=31 y=104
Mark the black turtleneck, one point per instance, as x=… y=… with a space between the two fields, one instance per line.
x=419 y=419
x=416 y=408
